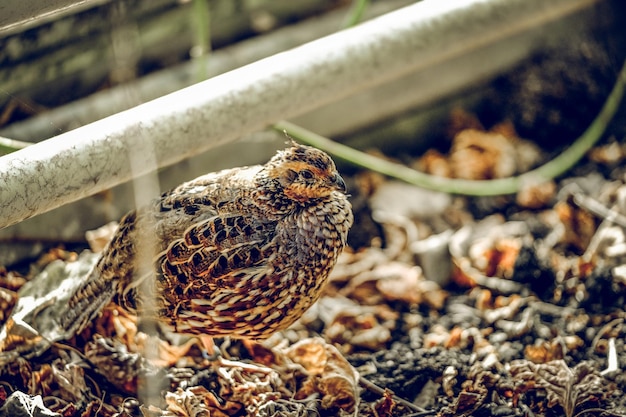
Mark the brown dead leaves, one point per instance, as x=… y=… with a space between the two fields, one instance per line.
x=567 y=387
x=317 y=371
x=329 y=374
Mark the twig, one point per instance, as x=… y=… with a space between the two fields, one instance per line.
x=606 y=329
x=594 y=206
x=511 y=185
x=369 y=385
x=601 y=411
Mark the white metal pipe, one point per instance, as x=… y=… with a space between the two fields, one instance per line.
x=96 y=156
x=109 y=101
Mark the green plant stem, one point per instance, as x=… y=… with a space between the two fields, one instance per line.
x=501 y=186
x=11 y=145
x=201 y=19
x=356 y=12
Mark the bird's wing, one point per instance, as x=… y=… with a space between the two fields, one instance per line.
x=198 y=200
x=220 y=252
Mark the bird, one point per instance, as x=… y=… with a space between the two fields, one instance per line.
x=240 y=253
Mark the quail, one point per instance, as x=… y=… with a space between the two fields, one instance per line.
x=242 y=252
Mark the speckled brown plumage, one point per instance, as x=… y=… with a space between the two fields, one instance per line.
x=243 y=252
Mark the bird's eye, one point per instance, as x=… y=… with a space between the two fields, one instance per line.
x=306 y=174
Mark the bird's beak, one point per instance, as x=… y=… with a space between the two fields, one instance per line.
x=339 y=183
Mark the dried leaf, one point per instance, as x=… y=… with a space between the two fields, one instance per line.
x=579 y=225
x=353 y=325
x=11 y=280
x=246 y=384
x=119 y=366
x=473 y=395
x=330 y=374
x=192 y=402
x=435 y=163
x=543 y=351
x=101 y=236
x=477 y=155
x=30 y=330
x=396 y=198
x=386 y=405
x=536 y=195
x=24 y=405
x=70 y=379
x=399 y=281
x=568 y=387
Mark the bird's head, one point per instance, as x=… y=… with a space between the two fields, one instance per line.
x=305 y=173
